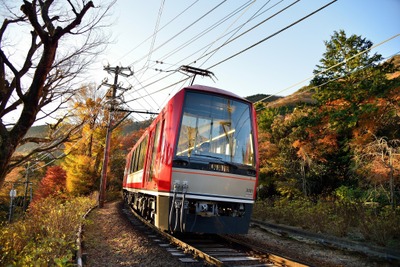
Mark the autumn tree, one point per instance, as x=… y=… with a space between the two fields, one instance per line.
x=379 y=161
x=44 y=47
x=84 y=155
x=52 y=184
x=355 y=95
x=348 y=71
x=314 y=143
x=348 y=77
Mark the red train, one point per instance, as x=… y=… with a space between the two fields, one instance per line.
x=195 y=169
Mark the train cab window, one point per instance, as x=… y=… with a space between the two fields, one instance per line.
x=216 y=127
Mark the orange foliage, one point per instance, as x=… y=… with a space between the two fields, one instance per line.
x=305 y=150
x=379 y=171
x=328 y=142
x=266 y=149
x=53 y=183
x=339 y=104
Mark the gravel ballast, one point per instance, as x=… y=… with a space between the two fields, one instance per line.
x=111 y=240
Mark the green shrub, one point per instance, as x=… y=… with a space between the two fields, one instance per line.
x=47 y=235
x=381 y=226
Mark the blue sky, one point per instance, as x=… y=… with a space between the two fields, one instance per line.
x=273 y=67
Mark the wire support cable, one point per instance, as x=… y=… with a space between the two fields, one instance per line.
x=153 y=41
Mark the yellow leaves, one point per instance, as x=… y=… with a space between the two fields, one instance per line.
x=46 y=235
x=81 y=174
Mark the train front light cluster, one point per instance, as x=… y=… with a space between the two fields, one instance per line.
x=210 y=209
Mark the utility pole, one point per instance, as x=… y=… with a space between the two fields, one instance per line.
x=113 y=87
x=25 y=201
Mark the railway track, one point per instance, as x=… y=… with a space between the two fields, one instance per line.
x=214 y=250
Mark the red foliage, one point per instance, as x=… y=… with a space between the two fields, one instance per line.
x=130 y=140
x=52 y=184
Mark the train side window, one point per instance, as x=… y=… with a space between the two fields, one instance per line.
x=132 y=166
x=156 y=142
x=142 y=153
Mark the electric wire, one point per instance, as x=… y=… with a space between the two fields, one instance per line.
x=162 y=89
x=154 y=34
x=334 y=66
x=272 y=35
x=182 y=31
x=261 y=41
x=207 y=30
x=251 y=29
x=247 y=4
x=177 y=16
x=235 y=32
x=143 y=97
x=199 y=50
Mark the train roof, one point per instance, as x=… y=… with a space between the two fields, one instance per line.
x=213 y=90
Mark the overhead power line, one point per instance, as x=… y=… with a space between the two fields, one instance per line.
x=207 y=30
x=334 y=66
x=250 y=47
x=151 y=36
x=272 y=35
x=208 y=45
x=231 y=39
x=236 y=31
x=153 y=41
x=179 y=33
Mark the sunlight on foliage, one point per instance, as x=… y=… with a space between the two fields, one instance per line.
x=47 y=236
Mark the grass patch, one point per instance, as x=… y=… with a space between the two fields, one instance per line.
x=377 y=224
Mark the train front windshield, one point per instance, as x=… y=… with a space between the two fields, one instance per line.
x=217 y=128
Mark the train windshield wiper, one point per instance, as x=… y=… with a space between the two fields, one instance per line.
x=207 y=156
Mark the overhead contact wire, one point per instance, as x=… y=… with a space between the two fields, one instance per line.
x=272 y=35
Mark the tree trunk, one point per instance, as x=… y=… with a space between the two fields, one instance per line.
x=12 y=138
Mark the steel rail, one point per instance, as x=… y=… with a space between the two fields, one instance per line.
x=185 y=246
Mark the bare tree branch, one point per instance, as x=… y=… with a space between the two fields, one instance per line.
x=62 y=44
